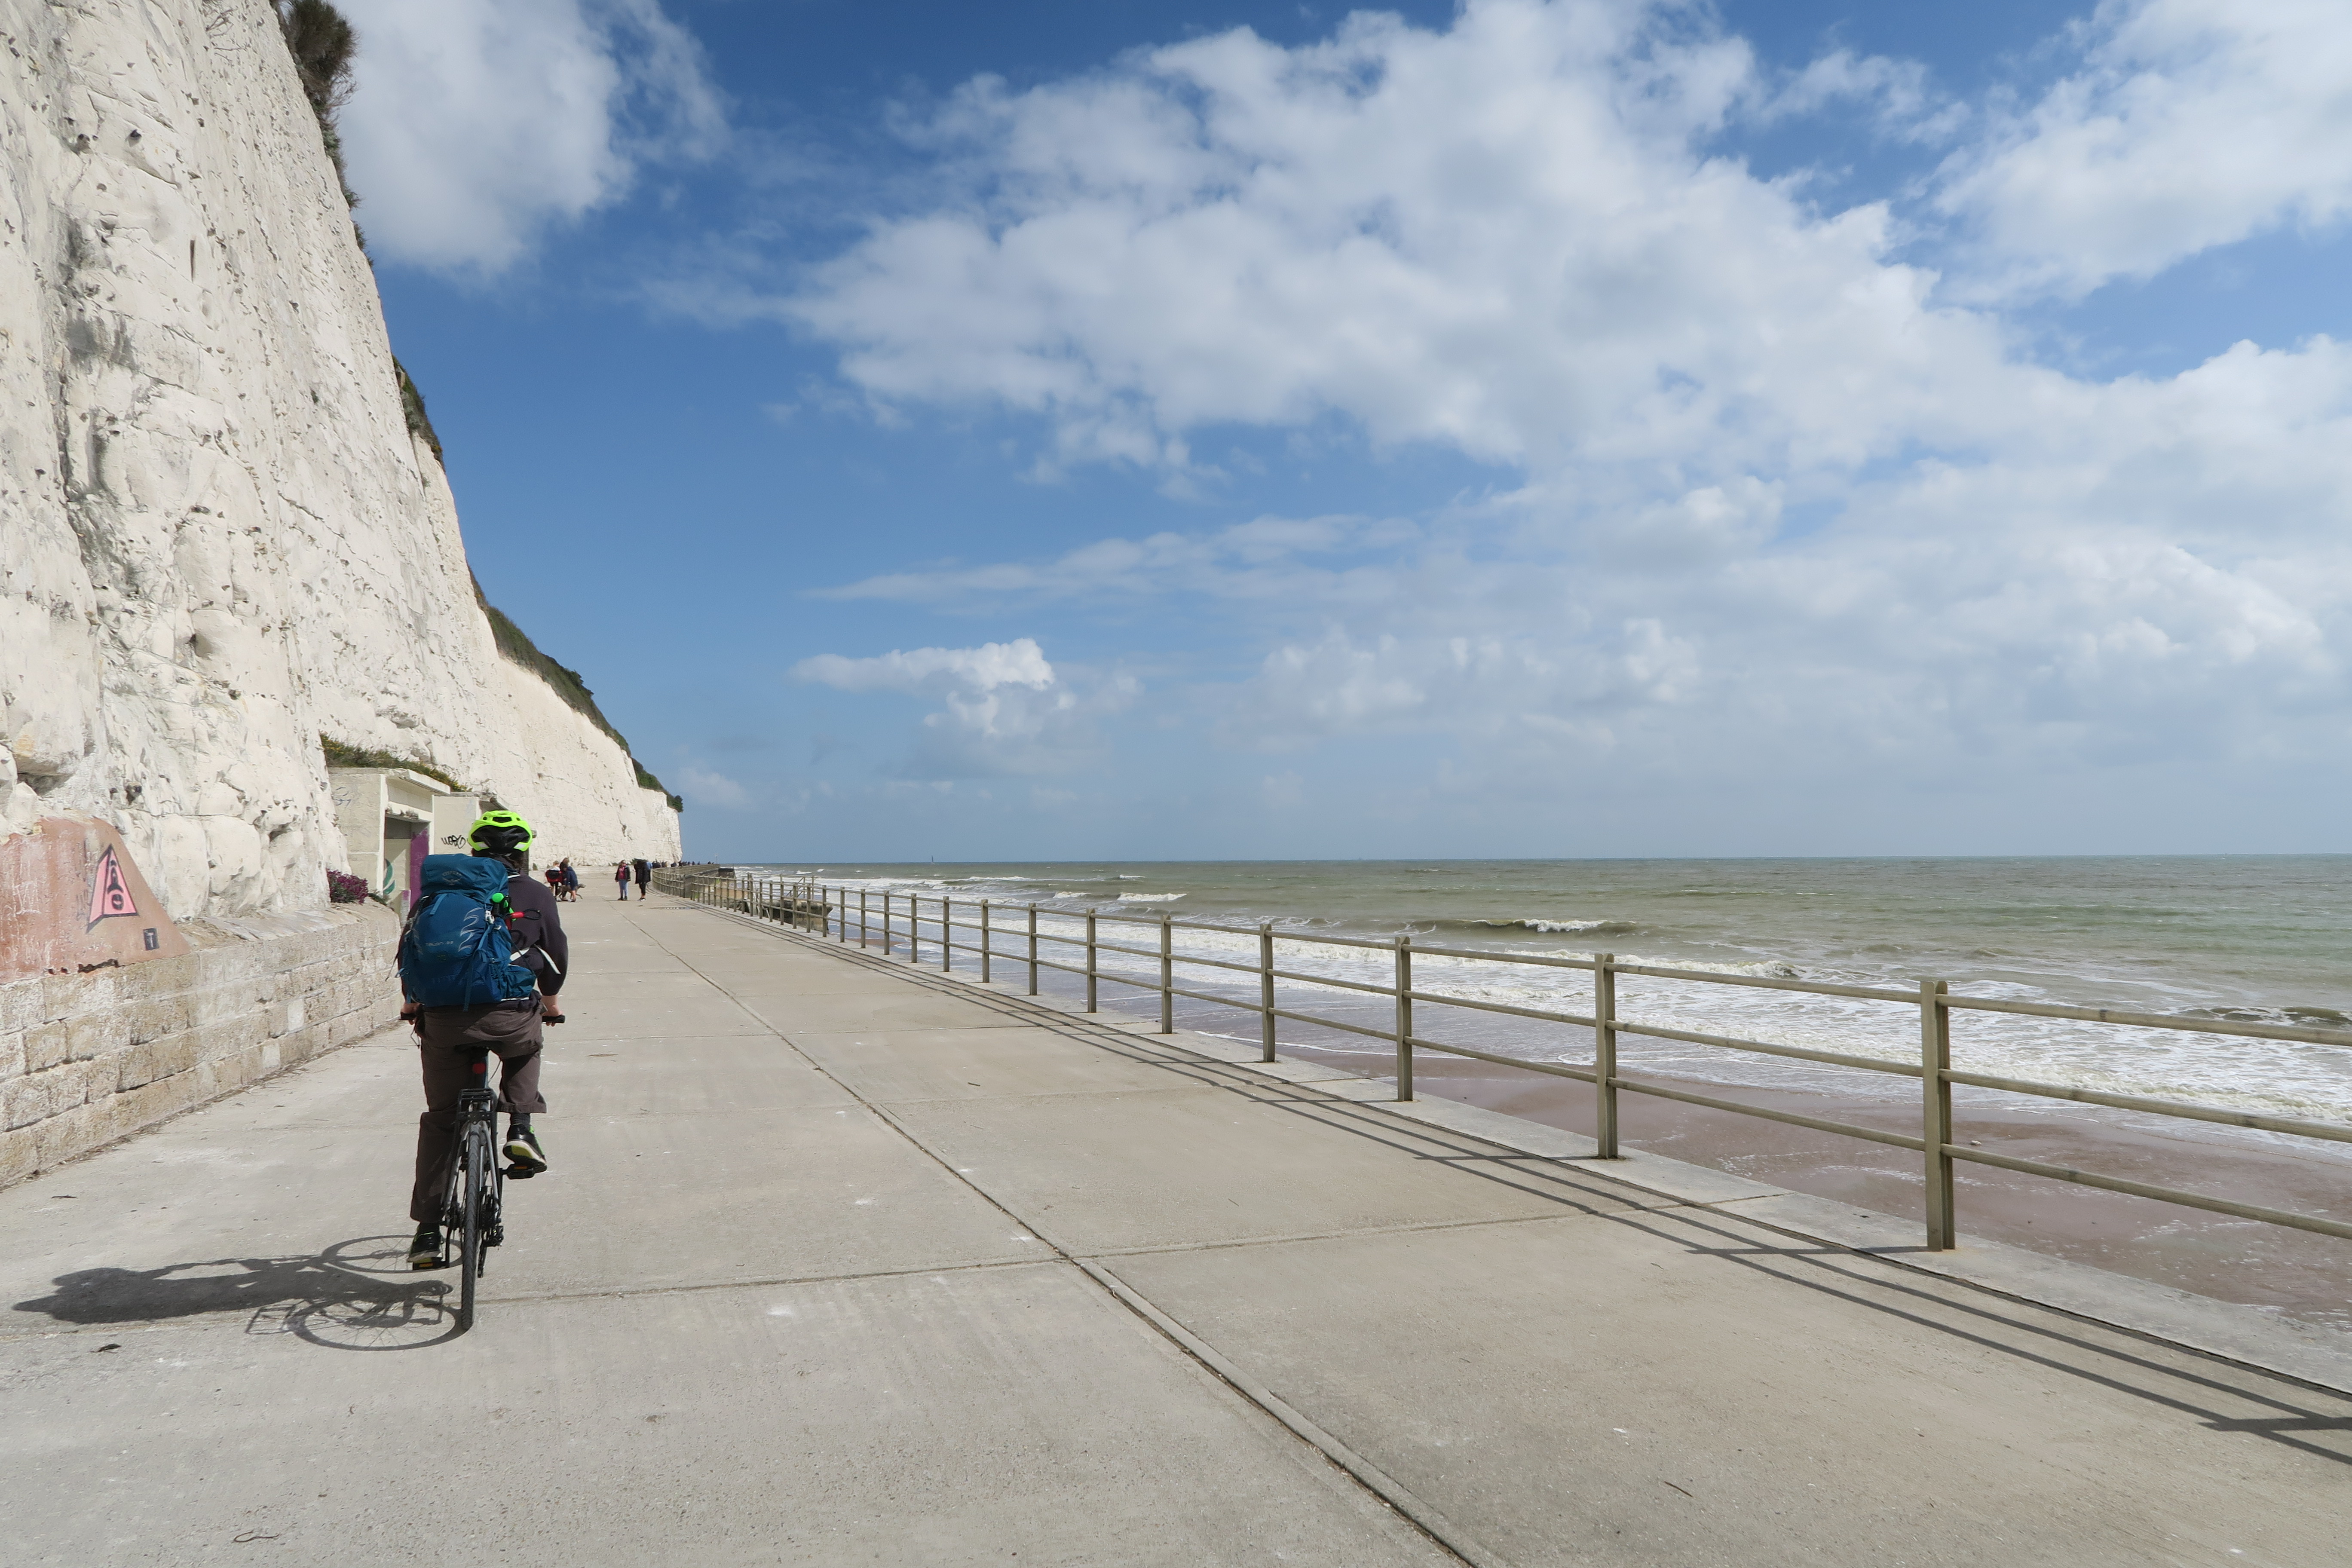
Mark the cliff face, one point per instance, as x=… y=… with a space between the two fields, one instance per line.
x=218 y=539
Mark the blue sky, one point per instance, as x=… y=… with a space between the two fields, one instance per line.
x=1068 y=431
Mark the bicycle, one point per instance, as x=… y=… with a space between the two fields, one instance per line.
x=472 y=1215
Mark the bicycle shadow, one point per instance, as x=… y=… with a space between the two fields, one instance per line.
x=357 y=1295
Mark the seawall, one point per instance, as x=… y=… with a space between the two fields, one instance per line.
x=88 y=1058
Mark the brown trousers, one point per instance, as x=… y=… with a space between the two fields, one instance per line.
x=511 y=1031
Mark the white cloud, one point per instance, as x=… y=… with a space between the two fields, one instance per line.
x=2192 y=124
x=1779 y=501
x=478 y=124
x=1259 y=559
x=1554 y=685
x=2146 y=570
x=1282 y=792
x=702 y=786
x=1005 y=709
x=930 y=670
x=1899 y=91
x=1506 y=238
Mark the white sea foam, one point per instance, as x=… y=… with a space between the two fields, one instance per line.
x=2273 y=1078
x=2276 y=1078
x=1767 y=968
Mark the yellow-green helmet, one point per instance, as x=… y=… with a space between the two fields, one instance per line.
x=501 y=833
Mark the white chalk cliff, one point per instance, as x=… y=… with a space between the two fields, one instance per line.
x=218 y=538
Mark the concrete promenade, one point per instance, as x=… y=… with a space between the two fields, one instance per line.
x=841 y=1262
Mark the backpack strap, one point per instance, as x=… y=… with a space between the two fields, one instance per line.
x=408 y=923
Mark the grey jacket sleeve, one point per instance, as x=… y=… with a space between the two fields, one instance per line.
x=538 y=941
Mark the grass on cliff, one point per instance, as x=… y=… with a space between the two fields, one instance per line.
x=411 y=405
x=343 y=754
x=321 y=39
x=323 y=45
x=566 y=683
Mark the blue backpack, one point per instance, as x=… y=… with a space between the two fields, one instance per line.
x=456 y=951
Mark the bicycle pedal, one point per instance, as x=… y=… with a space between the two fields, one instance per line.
x=521 y=1173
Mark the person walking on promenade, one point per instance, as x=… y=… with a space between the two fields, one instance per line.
x=644 y=878
x=621 y=875
x=571 y=881
x=555 y=882
x=510 y=1029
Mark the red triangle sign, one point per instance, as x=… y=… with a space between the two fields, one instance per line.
x=110 y=894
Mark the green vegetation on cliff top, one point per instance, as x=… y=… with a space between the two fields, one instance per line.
x=322 y=43
x=566 y=684
x=343 y=754
x=411 y=405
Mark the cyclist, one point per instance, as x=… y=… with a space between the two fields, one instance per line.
x=512 y=1029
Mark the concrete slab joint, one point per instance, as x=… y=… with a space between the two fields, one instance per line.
x=2246 y=1335
x=985 y=1281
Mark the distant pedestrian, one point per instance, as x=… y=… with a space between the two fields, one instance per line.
x=621 y=875
x=644 y=876
x=554 y=882
x=570 y=881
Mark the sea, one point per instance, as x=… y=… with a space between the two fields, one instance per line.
x=2263 y=938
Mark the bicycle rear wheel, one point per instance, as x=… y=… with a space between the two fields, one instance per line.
x=476 y=1171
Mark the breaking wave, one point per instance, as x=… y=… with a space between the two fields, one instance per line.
x=1878 y=934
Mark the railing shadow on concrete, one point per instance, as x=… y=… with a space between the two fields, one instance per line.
x=357 y=1295
x=2219 y=1395
x=898 y=925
